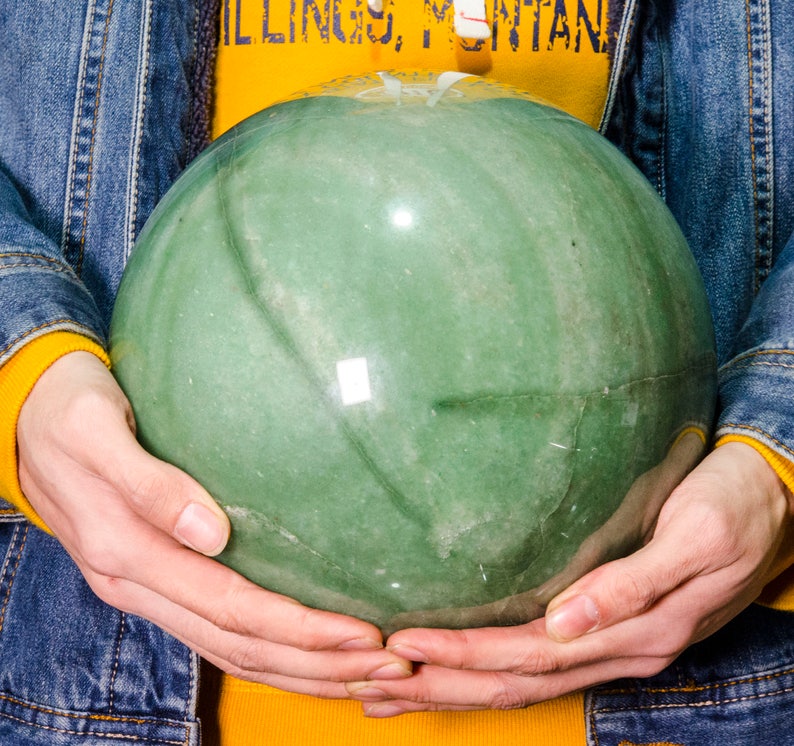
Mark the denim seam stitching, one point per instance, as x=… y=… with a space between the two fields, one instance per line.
x=594 y=710
x=124 y=719
x=89 y=333
x=760 y=165
x=133 y=171
x=89 y=166
x=96 y=734
x=703 y=687
x=619 y=62
x=37 y=265
x=192 y=701
x=116 y=657
x=13 y=572
x=71 y=184
x=707 y=703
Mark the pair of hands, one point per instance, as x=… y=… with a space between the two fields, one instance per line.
x=142 y=532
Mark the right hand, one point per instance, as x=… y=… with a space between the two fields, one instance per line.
x=142 y=533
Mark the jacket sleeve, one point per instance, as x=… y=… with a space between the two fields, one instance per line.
x=39 y=291
x=757 y=383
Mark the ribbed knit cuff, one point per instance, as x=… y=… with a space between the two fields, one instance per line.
x=779 y=594
x=17 y=378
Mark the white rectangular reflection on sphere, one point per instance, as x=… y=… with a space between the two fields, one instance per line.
x=353 y=378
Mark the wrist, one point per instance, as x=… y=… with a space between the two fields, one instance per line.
x=18 y=376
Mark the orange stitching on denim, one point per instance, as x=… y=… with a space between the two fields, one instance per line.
x=756 y=354
x=90 y=164
x=91 y=716
x=28 y=255
x=33 y=265
x=96 y=734
x=13 y=571
x=693 y=687
x=707 y=703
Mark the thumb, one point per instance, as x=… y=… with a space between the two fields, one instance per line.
x=170 y=499
x=77 y=418
x=162 y=494
x=625 y=588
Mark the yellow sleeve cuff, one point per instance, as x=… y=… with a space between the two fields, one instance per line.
x=783 y=467
x=17 y=378
x=779 y=594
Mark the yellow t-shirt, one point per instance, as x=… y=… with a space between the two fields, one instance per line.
x=270 y=49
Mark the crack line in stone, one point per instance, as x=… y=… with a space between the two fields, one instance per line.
x=289 y=344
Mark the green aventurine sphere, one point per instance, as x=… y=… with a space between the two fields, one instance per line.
x=436 y=348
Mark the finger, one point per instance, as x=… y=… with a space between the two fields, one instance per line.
x=213 y=592
x=691 y=543
x=721 y=523
x=79 y=412
x=163 y=495
x=259 y=659
x=433 y=688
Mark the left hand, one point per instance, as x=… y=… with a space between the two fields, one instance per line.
x=724 y=532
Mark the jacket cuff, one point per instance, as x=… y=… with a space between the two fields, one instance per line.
x=756 y=401
x=17 y=378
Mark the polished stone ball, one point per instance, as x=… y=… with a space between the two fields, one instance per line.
x=437 y=348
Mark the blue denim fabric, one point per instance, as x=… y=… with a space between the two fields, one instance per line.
x=102 y=105
x=75 y=671
x=96 y=121
x=735 y=688
x=705 y=107
x=99 y=112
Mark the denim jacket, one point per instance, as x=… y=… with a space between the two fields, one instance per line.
x=104 y=102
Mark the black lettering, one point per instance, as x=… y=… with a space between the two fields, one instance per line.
x=321 y=17
x=593 y=32
x=238 y=37
x=267 y=35
x=559 y=26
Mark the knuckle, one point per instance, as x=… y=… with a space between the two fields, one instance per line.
x=638 y=589
x=227 y=612
x=110 y=589
x=101 y=558
x=248 y=657
x=505 y=694
x=150 y=493
x=536 y=662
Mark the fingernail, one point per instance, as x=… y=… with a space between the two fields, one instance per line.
x=572 y=619
x=364 y=690
x=361 y=643
x=409 y=653
x=383 y=710
x=391 y=671
x=200 y=529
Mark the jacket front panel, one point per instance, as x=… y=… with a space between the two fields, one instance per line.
x=706 y=110
x=100 y=122
x=102 y=119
